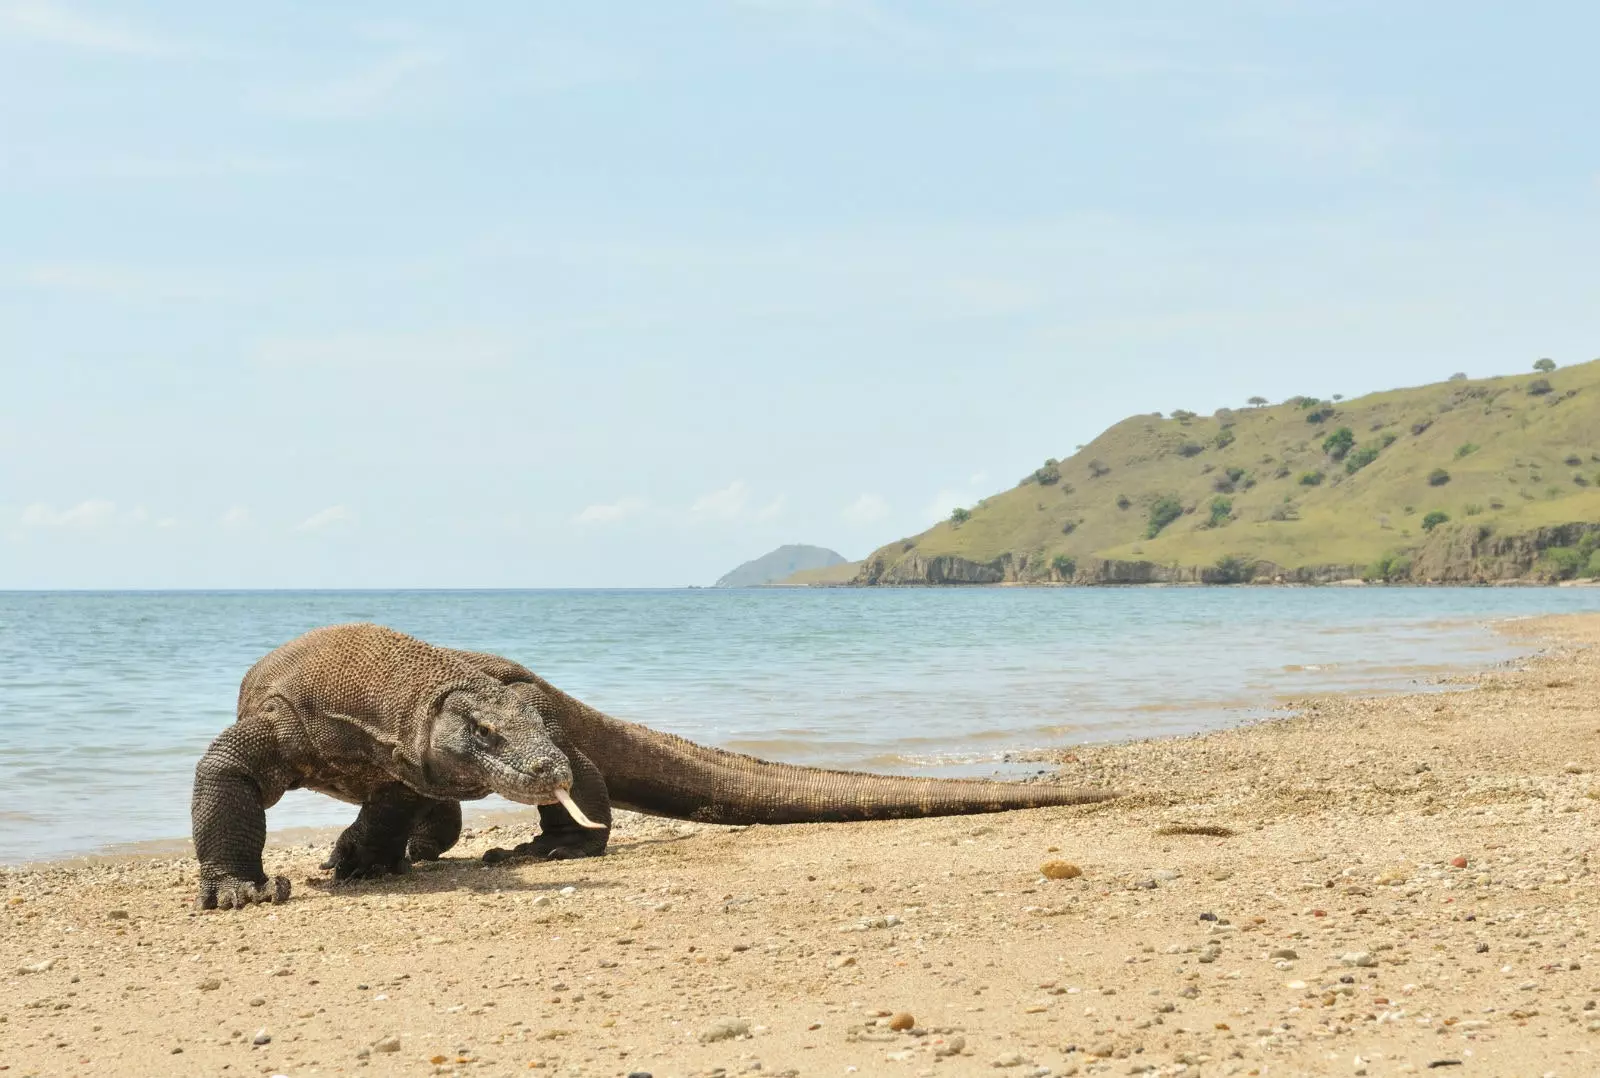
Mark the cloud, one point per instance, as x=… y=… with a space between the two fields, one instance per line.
x=56 y=25
x=333 y=518
x=237 y=518
x=610 y=514
x=725 y=504
x=93 y=515
x=867 y=509
x=1318 y=133
x=387 y=352
x=772 y=510
x=120 y=282
x=374 y=88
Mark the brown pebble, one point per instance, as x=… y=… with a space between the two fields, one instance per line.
x=1458 y=862
x=902 y=1021
x=1060 y=870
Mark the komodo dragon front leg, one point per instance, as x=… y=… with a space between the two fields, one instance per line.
x=561 y=838
x=393 y=822
x=237 y=780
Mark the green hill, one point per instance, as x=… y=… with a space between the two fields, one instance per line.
x=1464 y=480
x=827 y=576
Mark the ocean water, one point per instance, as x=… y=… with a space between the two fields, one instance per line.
x=108 y=699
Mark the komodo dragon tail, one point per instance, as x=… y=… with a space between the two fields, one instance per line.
x=665 y=775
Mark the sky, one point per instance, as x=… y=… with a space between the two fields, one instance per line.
x=624 y=294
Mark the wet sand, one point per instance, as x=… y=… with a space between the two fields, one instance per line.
x=1324 y=925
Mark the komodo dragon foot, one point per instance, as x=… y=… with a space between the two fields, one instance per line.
x=232 y=893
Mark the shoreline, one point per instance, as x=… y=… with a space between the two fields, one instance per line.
x=1249 y=708
x=1370 y=885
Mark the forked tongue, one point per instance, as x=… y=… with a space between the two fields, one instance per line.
x=577 y=813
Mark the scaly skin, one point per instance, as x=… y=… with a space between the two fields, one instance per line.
x=406 y=730
x=371 y=716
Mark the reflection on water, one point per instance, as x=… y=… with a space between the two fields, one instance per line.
x=107 y=700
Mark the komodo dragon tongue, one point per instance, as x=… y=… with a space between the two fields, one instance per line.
x=577 y=813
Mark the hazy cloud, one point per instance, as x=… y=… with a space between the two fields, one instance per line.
x=93 y=515
x=725 y=504
x=427 y=350
x=364 y=92
x=1318 y=133
x=867 y=509
x=332 y=518
x=121 y=282
x=610 y=513
x=57 y=25
x=237 y=518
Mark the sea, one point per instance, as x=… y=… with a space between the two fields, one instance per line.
x=107 y=699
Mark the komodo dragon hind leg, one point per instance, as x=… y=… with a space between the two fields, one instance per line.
x=435 y=830
x=375 y=845
x=561 y=838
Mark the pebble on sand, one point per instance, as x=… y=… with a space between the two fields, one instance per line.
x=261 y=1037
x=725 y=1030
x=902 y=1021
x=388 y=1044
x=1060 y=870
x=1458 y=862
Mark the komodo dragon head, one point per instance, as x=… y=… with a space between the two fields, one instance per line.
x=496 y=738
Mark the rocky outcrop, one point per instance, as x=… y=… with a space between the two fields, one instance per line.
x=1477 y=555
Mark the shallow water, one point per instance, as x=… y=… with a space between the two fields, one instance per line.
x=107 y=699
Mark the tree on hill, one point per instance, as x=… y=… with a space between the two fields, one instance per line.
x=1257 y=402
x=1337 y=444
x=960 y=516
x=1545 y=366
x=1459 y=376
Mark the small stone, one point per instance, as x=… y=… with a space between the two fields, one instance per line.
x=640 y=1074
x=1458 y=862
x=725 y=1030
x=257 y=1001
x=117 y=915
x=902 y=1021
x=953 y=1047
x=210 y=984
x=37 y=967
x=842 y=961
x=567 y=891
x=1358 y=958
x=1058 y=870
x=1288 y=954
x=388 y=1044
x=1482 y=948
x=261 y=1037
x=1008 y=1059
x=1208 y=917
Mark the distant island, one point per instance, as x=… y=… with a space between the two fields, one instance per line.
x=1463 y=481
x=779 y=566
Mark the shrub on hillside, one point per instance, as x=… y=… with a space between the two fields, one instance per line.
x=1438 y=477
x=1311 y=479
x=1389 y=439
x=1434 y=519
x=1389 y=568
x=1420 y=425
x=1459 y=376
x=1562 y=562
x=1233 y=570
x=1337 y=444
x=1098 y=467
x=1165 y=510
x=1257 y=402
x=1573 y=461
x=1465 y=449
x=1182 y=415
x=1049 y=474
x=1538 y=387
x=1189 y=449
x=1221 y=512
x=1224 y=438
x=1069 y=527
x=1320 y=415
x=1224 y=416
x=960 y=516
x=1592 y=570
x=1122 y=501
x=1360 y=459
x=1545 y=366
x=1063 y=566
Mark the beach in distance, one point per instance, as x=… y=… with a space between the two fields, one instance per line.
x=1359 y=884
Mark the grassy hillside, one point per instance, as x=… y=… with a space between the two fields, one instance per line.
x=1300 y=485
x=842 y=573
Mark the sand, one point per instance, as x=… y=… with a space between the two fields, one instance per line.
x=1327 y=926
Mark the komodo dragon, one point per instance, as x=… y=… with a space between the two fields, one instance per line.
x=408 y=731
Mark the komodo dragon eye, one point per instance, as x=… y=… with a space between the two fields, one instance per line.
x=483 y=735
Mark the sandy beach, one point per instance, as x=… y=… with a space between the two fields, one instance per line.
x=1369 y=886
